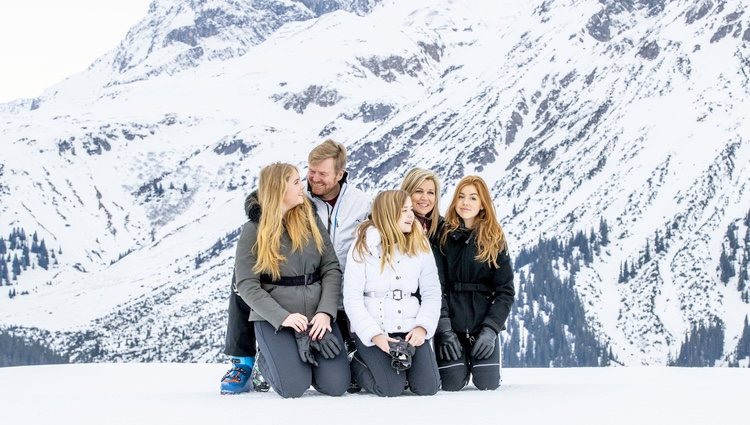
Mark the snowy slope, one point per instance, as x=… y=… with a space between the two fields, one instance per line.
x=574 y=111
x=134 y=393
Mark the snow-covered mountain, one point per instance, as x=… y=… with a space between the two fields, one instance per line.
x=612 y=134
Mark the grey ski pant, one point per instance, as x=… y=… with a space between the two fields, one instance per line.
x=371 y=369
x=485 y=374
x=288 y=375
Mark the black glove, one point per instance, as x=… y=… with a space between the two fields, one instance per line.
x=303 y=348
x=484 y=346
x=328 y=346
x=447 y=344
x=401 y=353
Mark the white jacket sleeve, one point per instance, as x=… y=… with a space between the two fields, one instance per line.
x=355 y=279
x=429 y=289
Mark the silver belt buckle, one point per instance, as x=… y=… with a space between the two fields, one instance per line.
x=397 y=295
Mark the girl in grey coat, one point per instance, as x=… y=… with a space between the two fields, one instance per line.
x=287 y=272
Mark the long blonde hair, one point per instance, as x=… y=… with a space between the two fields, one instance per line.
x=412 y=180
x=490 y=238
x=299 y=221
x=386 y=210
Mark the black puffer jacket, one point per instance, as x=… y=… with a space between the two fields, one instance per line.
x=475 y=294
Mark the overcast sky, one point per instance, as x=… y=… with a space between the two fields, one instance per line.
x=44 y=41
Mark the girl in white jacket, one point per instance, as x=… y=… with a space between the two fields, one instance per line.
x=391 y=290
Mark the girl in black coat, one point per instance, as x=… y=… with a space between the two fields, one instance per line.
x=477 y=287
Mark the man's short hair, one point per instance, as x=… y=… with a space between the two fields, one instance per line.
x=329 y=149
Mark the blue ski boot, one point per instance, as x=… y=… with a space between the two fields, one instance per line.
x=238 y=379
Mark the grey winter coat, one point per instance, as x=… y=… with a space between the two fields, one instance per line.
x=273 y=303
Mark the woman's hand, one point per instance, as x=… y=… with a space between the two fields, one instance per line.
x=382 y=341
x=416 y=336
x=321 y=323
x=296 y=321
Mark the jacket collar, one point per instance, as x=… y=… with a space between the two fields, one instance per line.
x=252 y=207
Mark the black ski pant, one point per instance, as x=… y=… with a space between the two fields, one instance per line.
x=288 y=375
x=485 y=374
x=240 y=340
x=371 y=369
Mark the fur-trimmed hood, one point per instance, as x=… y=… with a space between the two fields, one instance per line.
x=252 y=207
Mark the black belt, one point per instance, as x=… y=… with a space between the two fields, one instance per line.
x=305 y=279
x=469 y=287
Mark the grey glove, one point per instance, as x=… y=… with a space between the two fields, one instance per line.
x=303 y=348
x=328 y=346
x=447 y=344
x=484 y=346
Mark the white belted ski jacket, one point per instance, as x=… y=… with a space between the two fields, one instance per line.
x=378 y=302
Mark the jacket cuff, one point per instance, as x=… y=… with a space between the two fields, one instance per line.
x=493 y=325
x=277 y=318
x=430 y=329
x=367 y=335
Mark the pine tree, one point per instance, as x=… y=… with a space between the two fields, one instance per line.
x=3 y=248
x=647 y=253
x=743 y=345
x=184 y=188
x=34 y=237
x=4 y=273
x=743 y=280
x=725 y=266
x=658 y=242
x=732 y=237
x=25 y=258
x=603 y=231
x=43 y=256
x=16 y=266
x=171 y=185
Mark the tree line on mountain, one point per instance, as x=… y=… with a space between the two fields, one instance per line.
x=548 y=325
x=703 y=345
x=734 y=260
x=227 y=241
x=629 y=270
x=19 y=252
x=155 y=189
x=743 y=345
x=17 y=350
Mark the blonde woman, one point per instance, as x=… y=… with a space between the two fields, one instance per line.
x=287 y=272
x=389 y=262
x=423 y=187
x=478 y=288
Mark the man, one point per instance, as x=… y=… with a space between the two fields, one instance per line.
x=341 y=207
